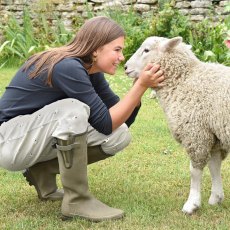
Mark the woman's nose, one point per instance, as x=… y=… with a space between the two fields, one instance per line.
x=122 y=58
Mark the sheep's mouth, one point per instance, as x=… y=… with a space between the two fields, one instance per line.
x=128 y=72
x=131 y=73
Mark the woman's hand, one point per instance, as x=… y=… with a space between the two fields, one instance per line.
x=151 y=76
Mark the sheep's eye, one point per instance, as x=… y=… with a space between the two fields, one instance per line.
x=146 y=50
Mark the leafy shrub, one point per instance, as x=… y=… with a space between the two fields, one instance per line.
x=49 y=35
x=206 y=37
x=135 y=26
x=226 y=31
x=169 y=22
x=21 y=41
x=208 y=42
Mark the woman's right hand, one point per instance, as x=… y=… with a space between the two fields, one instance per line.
x=151 y=76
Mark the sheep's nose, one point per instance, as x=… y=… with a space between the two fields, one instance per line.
x=125 y=67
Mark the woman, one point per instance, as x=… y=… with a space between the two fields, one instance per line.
x=58 y=113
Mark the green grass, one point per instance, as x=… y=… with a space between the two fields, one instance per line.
x=149 y=180
x=5 y=76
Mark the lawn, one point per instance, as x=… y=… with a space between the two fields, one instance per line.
x=150 y=180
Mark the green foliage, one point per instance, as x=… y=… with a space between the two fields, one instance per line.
x=226 y=30
x=48 y=35
x=208 y=41
x=21 y=41
x=169 y=22
x=206 y=37
x=136 y=28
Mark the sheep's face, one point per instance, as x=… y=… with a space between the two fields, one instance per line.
x=150 y=51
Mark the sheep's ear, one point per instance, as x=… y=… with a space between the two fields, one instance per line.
x=170 y=44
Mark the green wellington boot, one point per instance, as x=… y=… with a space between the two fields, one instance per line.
x=43 y=177
x=77 y=201
x=95 y=154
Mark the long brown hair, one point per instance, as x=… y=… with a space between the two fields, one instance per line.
x=94 y=33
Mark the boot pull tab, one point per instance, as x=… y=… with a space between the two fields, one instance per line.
x=67 y=154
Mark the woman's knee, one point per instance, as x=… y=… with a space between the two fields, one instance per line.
x=117 y=141
x=72 y=116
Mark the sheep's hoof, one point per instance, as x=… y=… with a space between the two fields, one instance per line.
x=189 y=208
x=216 y=199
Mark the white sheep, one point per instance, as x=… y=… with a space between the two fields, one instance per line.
x=195 y=97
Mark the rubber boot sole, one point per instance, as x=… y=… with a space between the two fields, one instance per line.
x=69 y=218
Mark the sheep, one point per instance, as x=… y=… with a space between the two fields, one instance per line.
x=195 y=97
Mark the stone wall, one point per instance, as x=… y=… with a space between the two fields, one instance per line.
x=67 y=10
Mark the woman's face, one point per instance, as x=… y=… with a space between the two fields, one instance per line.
x=108 y=57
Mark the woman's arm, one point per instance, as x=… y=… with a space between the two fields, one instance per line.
x=71 y=80
x=151 y=76
x=107 y=95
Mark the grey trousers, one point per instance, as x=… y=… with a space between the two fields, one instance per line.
x=29 y=139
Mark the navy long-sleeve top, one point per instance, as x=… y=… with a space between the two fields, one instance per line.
x=70 y=80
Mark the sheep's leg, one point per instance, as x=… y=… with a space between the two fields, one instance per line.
x=194 y=199
x=217 y=194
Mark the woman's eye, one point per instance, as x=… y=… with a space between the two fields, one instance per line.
x=118 y=50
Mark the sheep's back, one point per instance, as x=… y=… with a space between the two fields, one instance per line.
x=200 y=103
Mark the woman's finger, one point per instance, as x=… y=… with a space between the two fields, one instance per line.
x=148 y=67
x=154 y=69
x=159 y=73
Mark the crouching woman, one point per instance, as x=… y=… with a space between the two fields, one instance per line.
x=59 y=114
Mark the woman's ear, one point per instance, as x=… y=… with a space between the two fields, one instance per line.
x=94 y=56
